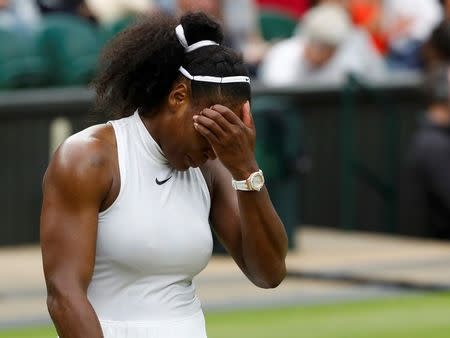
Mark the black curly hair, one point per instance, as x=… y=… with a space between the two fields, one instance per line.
x=141 y=64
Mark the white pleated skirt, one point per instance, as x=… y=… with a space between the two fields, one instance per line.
x=189 y=327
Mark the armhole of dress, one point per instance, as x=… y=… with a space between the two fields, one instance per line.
x=205 y=187
x=122 y=169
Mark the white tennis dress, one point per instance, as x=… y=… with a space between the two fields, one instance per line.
x=151 y=242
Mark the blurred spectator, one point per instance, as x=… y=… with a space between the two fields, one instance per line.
x=110 y=11
x=368 y=14
x=60 y=6
x=241 y=22
x=326 y=49
x=343 y=3
x=21 y=16
x=66 y=7
x=408 y=25
x=446 y=7
x=167 y=6
x=295 y=9
x=211 y=7
x=425 y=197
x=437 y=49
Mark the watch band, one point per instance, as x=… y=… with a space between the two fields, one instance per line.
x=240 y=185
x=248 y=185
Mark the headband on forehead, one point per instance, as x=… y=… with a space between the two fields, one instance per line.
x=189 y=48
x=214 y=79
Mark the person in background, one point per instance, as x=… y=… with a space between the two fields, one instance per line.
x=21 y=16
x=59 y=6
x=326 y=48
x=66 y=7
x=294 y=9
x=165 y=6
x=408 y=25
x=446 y=7
x=368 y=14
x=110 y=11
x=213 y=8
x=436 y=51
x=259 y=44
x=425 y=190
x=342 y=3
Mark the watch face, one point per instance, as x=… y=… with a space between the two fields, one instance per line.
x=257 y=181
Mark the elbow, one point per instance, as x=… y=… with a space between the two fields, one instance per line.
x=57 y=300
x=60 y=299
x=273 y=279
x=53 y=305
x=270 y=284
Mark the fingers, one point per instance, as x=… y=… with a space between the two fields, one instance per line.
x=217 y=117
x=210 y=124
x=247 y=116
x=227 y=113
x=212 y=139
x=224 y=124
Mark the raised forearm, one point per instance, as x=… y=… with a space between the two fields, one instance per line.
x=261 y=246
x=264 y=239
x=74 y=316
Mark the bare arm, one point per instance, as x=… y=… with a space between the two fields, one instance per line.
x=249 y=228
x=75 y=184
x=246 y=222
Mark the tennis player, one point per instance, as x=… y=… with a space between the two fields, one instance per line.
x=125 y=218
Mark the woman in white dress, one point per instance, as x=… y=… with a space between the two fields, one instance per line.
x=125 y=223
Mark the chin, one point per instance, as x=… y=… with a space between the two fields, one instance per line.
x=181 y=167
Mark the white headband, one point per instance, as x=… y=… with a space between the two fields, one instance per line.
x=214 y=79
x=182 y=38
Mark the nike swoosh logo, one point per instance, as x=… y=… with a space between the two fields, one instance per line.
x=158 y=182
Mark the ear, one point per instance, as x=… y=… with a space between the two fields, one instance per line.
x=178 y=96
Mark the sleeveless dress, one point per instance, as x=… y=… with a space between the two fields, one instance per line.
x=151 y=242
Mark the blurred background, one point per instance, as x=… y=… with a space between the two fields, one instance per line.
x=351 y=103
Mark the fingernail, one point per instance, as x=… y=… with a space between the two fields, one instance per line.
x=195 y=117
x=195 y=125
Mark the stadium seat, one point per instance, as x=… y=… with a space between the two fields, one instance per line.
x=276 y=25
x=20 y=64
x=71 y=47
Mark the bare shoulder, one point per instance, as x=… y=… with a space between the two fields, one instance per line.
x=84 y=158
